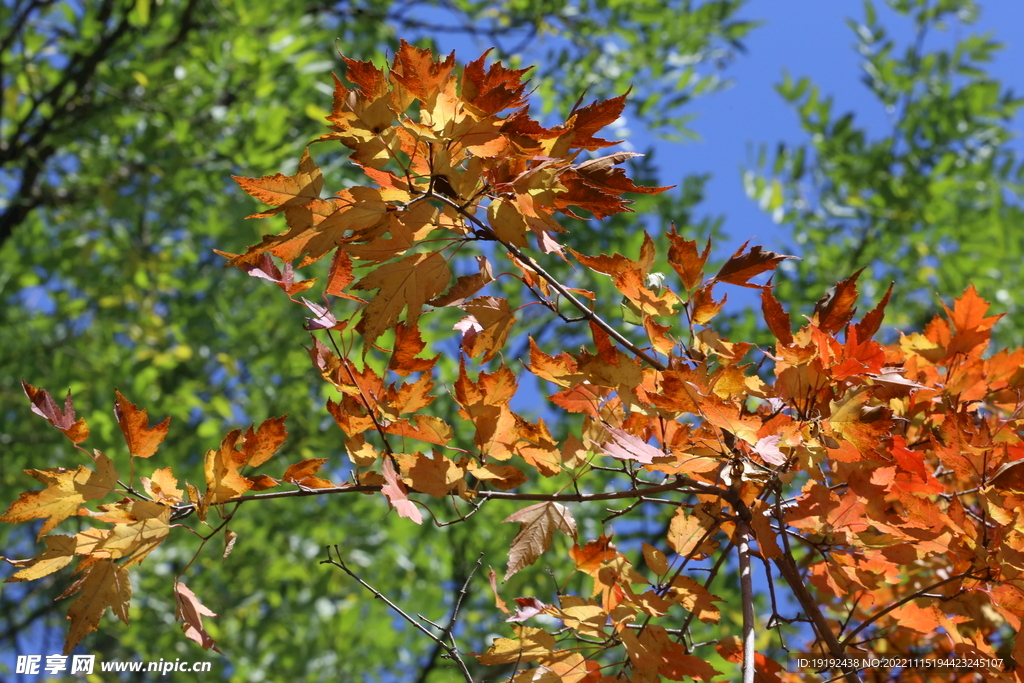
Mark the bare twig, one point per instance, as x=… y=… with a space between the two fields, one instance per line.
x=450 y=649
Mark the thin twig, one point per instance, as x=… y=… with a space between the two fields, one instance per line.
x=451 y=650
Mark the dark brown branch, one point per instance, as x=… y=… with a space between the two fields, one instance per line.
x=679 y=484
x=790 y=572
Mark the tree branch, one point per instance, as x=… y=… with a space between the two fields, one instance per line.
x=451 y=650
x=587 y=313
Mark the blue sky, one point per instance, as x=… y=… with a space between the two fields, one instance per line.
x=806 y=38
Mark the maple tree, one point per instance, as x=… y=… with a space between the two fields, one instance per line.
x=876 y=484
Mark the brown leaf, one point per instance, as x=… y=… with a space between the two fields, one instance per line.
x=742 y=266
x=487 y=327
x=760 y=524
x=223 y=482
x=340 y=275
x=703 y=305
x=283 y=191
x=142 y=440
x=492 y=577
x=434 y=476
x=230 y=538
x=537 y=527
x=507 y=222
x=777 y=318
x=43 y=404
x=835 y=310
x=191 y=611
x=466 y=285
x=504 y=477
x=867 y=327
x=684 y=259
x=409 y=344
x=695 y=598
x=590 y=557
x=404 y=284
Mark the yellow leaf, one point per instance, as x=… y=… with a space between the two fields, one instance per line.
x=102 y=585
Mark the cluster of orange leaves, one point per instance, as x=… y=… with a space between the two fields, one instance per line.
x=894 y=470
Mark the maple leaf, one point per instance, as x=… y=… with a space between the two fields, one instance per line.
x=395 y=492
x=301 y=474
x=493 y=90
x=835 y=310
x=537 y=527
x=673 y=660
x=261 y=445
x=593 y=555
x=103 y=584
x=434 y=476
x=141 y=527
x=261 y=265
x=685 y=260
x=530 y=645
x=191 y=612
x=405 y=284
x=65 y=491
x=695 y=598
x=143 y=441
x=162 y=487
x=283 y=191
x=60 y=551
x=487 y=327
x=742 y=266
x=690 y=534
x=778 y=320
x=44 y=405
x=625 y=446
x=502 y=477
x=223 y=481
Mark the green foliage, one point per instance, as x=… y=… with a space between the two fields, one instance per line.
x=121 y=124
x=935 y=203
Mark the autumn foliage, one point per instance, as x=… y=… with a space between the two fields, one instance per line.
x=878 y=484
